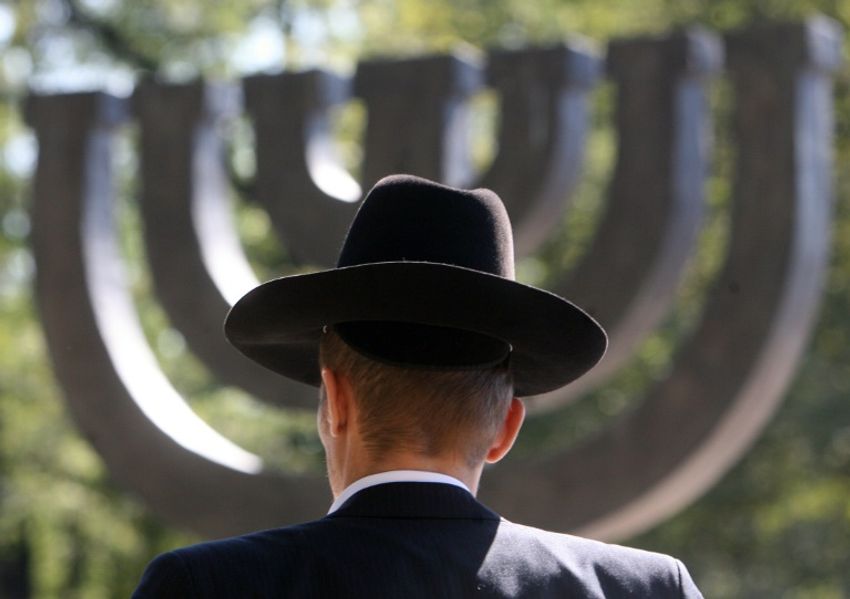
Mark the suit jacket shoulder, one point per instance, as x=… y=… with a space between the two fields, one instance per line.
x=582 y=567
x=260 y=564
x=413 y=540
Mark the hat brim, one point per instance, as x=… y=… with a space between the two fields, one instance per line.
x=279 y=323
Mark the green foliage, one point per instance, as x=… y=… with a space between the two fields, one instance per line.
x=777 y=525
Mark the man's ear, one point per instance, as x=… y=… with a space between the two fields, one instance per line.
x=508 y=433
x=338 y=401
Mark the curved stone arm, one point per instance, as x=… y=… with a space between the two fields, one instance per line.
x=149 y=438
x=730 y=377
x=628 y=277
x=309 y=197
x=196 y=260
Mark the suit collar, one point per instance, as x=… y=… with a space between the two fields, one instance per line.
x=414 y=500
x=393 y=476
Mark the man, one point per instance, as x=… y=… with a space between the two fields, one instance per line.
x=421 y=343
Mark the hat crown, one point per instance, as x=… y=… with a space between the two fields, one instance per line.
x=409 y=219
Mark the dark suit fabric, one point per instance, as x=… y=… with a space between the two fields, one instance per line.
x=412 y=540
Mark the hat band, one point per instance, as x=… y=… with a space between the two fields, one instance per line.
x=413 y=345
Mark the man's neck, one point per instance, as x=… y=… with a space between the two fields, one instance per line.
x=354 y=470
x=393 y=476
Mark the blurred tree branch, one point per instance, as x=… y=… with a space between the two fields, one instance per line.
x=110 y=37
x=117 y=44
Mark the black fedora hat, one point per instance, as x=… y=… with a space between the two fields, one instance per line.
x=425 y=279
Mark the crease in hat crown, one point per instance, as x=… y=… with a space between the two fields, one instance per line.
x=406 y=218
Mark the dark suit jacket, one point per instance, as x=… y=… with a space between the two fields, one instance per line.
x=411 y=540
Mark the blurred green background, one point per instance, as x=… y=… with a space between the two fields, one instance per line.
x=777 y=525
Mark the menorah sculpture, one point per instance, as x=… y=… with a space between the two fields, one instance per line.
x=726 y=380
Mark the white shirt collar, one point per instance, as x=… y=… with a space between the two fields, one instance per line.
x=394 y=476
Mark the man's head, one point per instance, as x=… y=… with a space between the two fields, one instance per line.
x=423 y=410
x=427 y=336
x=427 y=415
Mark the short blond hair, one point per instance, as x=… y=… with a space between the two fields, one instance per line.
x=425 y=410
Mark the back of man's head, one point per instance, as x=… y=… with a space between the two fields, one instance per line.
x=428 y=411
